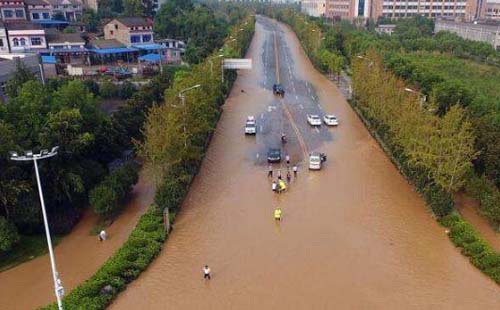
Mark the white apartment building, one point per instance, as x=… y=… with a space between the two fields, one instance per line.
x=313 y=7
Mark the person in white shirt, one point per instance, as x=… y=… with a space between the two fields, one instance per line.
x=103 y=235
x=206 y=272
x=295 y=170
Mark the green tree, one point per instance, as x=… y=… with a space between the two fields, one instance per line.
x=8 y=235
x=21 y=76
x=133 y=8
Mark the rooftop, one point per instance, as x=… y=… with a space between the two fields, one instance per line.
x=101 y=44
x=36 y=2
x=22 y=25
x=61 y=37
x=135 y=21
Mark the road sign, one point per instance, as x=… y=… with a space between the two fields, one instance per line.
x=238 y=63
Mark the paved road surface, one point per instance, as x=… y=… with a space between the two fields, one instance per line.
x=353 y=236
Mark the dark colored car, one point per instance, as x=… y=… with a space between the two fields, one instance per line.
x=278 y=90
x=274 y=155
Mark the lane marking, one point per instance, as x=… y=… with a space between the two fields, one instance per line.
x=312 y=97
x=301 y=106
x=317 y=129
x=260 y=128
x=276 y=58
x=296 y=97
x=257 y=155
x=261 y=115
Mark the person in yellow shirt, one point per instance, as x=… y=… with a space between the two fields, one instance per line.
x=277 y=214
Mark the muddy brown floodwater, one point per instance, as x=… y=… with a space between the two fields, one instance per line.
x=354 y=235
x=78 y=256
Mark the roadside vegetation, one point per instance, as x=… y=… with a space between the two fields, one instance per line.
x=433 y=103
x=172 y=156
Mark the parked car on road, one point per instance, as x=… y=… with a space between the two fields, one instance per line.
x=330 y=120
x=274 y=155
x=313 y=120
x=250 y=126
x=278 y=90
x=316 y=160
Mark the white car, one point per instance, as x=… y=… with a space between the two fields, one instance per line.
x=315 y=161
x=330 y=120
x=250 y=126
x=313 y=120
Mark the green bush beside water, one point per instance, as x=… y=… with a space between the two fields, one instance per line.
x=480 y=253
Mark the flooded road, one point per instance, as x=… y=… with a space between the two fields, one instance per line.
x=354 y=235
x=78 y=256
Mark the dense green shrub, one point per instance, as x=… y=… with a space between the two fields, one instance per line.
x=8 y=235
x=440 y=201
x=108 y=89
x=473 y=246
x=107 y=196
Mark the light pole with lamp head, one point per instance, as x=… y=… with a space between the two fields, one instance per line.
x=29 y=156
x=183 y=100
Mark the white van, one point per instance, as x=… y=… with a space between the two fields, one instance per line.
x=315 y=161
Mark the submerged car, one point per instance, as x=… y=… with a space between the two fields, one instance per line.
x=250 y=126
x=313 y=120
x=316 y=160
x=330 y=120
x=274 y=155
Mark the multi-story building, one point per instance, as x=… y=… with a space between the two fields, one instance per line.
x=313 y=7
x=472 y=31
x=25 y=36
x=72 y=10
x=4 y=43
x=11 y=10
x=38 y=10
x=130 y=30
x=491 y=9
x=464 y=9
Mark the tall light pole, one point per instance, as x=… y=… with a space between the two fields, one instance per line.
x=29 y=156
x=183 y=100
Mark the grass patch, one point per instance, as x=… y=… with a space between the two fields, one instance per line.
x=28 y=248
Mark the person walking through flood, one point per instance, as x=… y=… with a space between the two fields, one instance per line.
x=288 y=176
x=274 y=186
x=103 y=235
x=206 y=272
x=270 y=171
x=279 y=174
x=287 y=158
x=277 y=214
x=295 y=170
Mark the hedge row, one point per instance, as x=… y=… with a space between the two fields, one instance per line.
x=473 y=246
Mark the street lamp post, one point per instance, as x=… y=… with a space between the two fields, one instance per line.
x=183 y=100
x=29 y=156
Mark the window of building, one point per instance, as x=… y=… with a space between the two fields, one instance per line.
x=20 y=13
x=111 y=32
x=46 y=15
x=7 y=13
x=22 y=41
x=36 y=41
x=146 y=38
x=75 y=6
x=15 y=42
x=35 y=16
x=135 y=39
x=65 y=6
x=116 y=26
